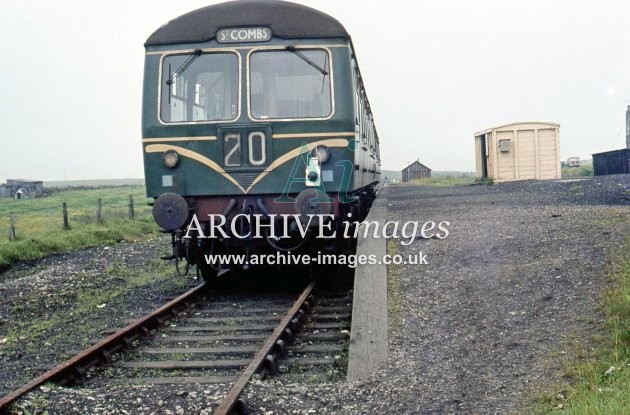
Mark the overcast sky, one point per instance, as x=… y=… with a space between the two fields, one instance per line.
x=435 y=72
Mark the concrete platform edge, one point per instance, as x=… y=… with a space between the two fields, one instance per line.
x=368 y=336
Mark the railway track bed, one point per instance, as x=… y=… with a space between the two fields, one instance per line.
x=212 y=341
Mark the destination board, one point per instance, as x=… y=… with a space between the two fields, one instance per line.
x=244 y=34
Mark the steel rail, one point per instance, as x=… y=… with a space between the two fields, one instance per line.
x=231 y=400
x=381 y=187
x=73 y=368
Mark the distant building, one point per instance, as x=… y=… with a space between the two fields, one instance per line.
x=616 y=161
x=21 y=189
x=518 y=151
x=611 y=162
x=415 y=170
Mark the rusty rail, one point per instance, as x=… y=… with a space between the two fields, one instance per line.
x=231 y=401
x=73 y=369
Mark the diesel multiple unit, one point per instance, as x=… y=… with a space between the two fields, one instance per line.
x=255 y=110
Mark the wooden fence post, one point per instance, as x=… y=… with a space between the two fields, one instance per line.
x=132 y=216
x=66 y=225
x=99 y=208
x=12 y=226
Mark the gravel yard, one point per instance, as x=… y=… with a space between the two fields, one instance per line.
x=480 y=328
x=65 y=302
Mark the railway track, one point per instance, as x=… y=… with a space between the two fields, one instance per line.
x=225 y=340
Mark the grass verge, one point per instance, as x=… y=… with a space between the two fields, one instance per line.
x=39 y=222
x=442 y=181
x=599 y=380
x=582 y=171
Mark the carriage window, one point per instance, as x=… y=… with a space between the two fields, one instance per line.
x=199 y=87
x=291 y=83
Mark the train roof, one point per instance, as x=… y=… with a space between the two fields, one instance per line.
x=286 y=20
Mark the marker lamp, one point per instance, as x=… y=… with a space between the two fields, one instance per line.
x=322 y=153
x=170 y=158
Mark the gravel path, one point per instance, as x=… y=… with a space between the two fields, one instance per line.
x=518 y=276
x=479 y=328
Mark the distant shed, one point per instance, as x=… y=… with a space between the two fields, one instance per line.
x=611 y=162
x=519 y=151
x=415 y=170
x=20 y=189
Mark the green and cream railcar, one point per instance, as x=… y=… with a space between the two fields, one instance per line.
x=254 y=108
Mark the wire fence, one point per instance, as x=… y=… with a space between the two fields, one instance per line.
x=62 y=215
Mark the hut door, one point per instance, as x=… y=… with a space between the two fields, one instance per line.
x=484 y=157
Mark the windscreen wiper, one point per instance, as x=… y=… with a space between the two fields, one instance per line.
x=307 y=60
x=183 y=67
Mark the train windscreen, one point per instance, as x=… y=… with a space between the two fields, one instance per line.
x=291 y=83
x=199 y=87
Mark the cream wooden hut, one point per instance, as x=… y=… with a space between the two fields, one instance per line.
x=519 y=151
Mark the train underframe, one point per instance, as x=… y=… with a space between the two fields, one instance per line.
x=242 y=226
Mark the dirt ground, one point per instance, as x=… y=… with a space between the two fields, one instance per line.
x=483 y=326
x=480 y=329
x=517 y=279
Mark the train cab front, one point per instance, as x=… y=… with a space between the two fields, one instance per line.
x=255 y=133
